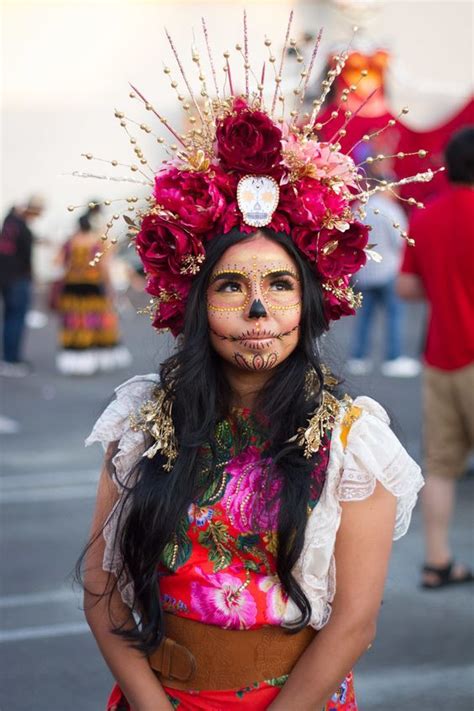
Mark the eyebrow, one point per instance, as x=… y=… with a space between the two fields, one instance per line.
x=280 y=273
x=228 y=275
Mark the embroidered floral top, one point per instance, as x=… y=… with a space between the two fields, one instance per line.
x=220 y=569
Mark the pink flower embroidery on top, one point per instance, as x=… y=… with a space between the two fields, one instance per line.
x=276 y=598
x=248 y=501
x=222 y=601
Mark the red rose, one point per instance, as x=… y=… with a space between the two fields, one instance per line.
x=248 y=141
x=307 y=203
x=337 y=305
x=164 y=247
x=306 y=239
x=194 y=197
x=170 y=314
x=342 y=253
x=172 y=293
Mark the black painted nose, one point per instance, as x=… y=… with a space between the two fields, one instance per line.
x=257 y=310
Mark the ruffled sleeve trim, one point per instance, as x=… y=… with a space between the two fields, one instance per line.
x=114 y=426
x=374 y=453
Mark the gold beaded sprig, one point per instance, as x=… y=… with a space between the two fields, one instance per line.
x=322 y=420
x=155 y=419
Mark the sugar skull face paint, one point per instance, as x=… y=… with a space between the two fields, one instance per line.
x=254 y=305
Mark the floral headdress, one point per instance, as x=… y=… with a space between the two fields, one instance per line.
x=242 y=164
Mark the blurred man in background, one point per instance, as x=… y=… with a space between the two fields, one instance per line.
x=16 y=244
x=440 y=269
x=376 y=282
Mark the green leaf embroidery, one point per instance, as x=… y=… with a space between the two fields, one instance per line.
x=179 y=547
x=277 y=681
x=247 y=542
x=252 y=566
x=214 y=538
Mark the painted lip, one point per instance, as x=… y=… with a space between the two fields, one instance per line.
x=254 y=336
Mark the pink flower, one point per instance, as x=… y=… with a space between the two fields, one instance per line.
x=248 y=141
x=276 y=598
x=194 y=197
x=222 y=602
x=249 y=501
x=311 y=159
x=336 y=166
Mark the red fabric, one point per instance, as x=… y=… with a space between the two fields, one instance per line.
x=257 y=697
x=433 y=140
x=443 y=257
x=401 y=137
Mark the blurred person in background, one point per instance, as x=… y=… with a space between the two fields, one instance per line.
x=89 y=335
x=376 y=282
x=440 y=269
x=16 y=279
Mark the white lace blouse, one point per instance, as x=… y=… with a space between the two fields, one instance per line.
x=372 y=454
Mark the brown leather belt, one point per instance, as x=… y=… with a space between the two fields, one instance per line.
x=205 y=657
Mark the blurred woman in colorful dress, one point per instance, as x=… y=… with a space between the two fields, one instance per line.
x=89 y=335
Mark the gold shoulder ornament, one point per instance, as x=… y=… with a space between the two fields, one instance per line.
x=154 y=418
x=322 y=420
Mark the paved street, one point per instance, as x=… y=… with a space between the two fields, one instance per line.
x=423 y=655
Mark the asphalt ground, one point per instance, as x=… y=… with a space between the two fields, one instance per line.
x=423 y=655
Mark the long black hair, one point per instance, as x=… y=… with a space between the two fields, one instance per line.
x=194 y=382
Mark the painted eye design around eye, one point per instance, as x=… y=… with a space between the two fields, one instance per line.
x=229 y=287
x=281 y=285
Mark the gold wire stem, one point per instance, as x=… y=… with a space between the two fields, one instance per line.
x=424 y=177
x=114 y=179
x=262 y=83
x=353 y=114
x=209 y=54
x=308 y=71
x=159 y=117
x=116 y=163
x=183 y=74
x=141 y=126
x=368 y=137
x=282 y=60
x=421 y=153
x=246 y=56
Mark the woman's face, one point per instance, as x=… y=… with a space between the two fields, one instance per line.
x=254 y=304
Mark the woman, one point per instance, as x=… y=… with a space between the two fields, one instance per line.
x=245 y=380
x=245 y=511
x=89 y=335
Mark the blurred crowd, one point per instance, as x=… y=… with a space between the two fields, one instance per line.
x=83 y=297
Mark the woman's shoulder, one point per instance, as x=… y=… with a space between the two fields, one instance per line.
x=366 y=451
x=115 y=424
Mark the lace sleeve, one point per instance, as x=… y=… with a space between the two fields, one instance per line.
x=114 y=426
x=374 y=453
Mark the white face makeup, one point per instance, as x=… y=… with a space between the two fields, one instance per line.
x=254 y=305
